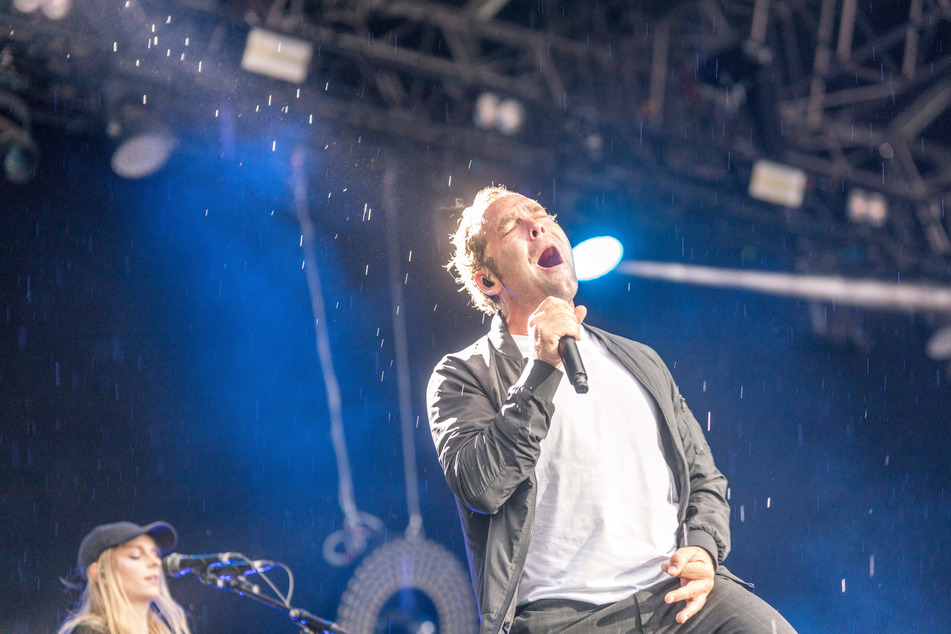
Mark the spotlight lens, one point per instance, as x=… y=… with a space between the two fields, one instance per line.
x=19 y=165
x=142 y=155
x=597 y=256
x=485 y=110
x=56 y=9
x=509 y=117
x=27 y=6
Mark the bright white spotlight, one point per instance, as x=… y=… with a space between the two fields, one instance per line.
x=143 y=154
x=509 y=117
x=778 y=184
x=56 y=9
x=276 y=55
x=868 y=208
x=485 y=108
x=144 y=143
x=939 y=345
x=27 y=6
x=505 y=115
x=597 y=256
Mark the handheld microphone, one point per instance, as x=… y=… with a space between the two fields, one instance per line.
x=574 y=368
x=176 y=565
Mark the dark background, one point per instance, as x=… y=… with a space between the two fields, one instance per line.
x=158 y=361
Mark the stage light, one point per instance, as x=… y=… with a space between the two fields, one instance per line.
x=18 y=151
x=276 y=55
x=56 y=9
x=867 y=208
x=509 y=117
x=777 y=184
x=485 y=107
x=27 y=6
x=938 y=346
x=143 y=142
x=19 y=161
x=505 y=115
x=596 y=257
x=53 y=9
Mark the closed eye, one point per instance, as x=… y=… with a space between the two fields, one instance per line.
x=510 y=228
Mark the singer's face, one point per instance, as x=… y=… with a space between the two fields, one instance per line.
x=139 y=566
x=528 y=252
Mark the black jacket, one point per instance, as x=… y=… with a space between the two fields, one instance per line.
x=488 y=413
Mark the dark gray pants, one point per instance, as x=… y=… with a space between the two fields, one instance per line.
x=730 y=608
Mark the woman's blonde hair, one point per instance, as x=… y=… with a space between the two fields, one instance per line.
x=468 y=244
x=104 y=605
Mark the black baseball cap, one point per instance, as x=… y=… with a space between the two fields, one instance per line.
x=106 y=536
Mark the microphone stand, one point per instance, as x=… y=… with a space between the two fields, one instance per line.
x=240 y=585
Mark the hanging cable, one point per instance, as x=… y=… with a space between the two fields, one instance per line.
x=358 y=526
x=412 y=562
x=415 y=527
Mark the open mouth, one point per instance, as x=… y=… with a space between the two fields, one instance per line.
x=550 y=258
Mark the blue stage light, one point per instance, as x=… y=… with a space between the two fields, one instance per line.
x=596 y=256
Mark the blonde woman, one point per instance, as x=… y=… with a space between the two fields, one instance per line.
x=125 y=590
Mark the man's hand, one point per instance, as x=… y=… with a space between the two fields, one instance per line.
x=553 y=319
x=694 y=566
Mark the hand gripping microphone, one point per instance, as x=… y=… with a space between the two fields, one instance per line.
x=176 y=565
x=574 y=368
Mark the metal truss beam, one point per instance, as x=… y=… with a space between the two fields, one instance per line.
x=697 y=91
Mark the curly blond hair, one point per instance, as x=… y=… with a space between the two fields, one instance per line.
x=468 y=244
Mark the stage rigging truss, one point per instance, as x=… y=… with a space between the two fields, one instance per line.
x=685 y=95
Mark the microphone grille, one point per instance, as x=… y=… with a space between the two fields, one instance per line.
x=172 y=564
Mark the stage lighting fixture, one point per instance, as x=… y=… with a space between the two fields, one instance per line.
x=53 y=9
x=143 y=142
x=485 y=107
x=596 y=257
x=509 y=117
x=18 y=150
x=867 y=208
x=938 y=346
x=778 y=184
x=276 y=55
x=505 y=115
x=56 y=9
x=27 y=6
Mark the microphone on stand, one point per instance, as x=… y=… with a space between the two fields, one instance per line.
x=574 y=368
x=176 y=565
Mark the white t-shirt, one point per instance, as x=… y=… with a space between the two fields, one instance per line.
x=606 y=509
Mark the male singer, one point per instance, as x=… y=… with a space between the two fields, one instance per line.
x=596 y=512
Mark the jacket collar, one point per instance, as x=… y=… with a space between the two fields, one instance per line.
x=501 y=339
